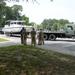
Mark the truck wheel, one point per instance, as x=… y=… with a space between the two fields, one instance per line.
x=10 y=34
x=45 y=37
x=7 y=34
x=52 y=37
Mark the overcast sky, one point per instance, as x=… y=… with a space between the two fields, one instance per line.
x=58 y=9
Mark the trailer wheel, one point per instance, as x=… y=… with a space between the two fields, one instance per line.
x=45 y=37
x=52 y=37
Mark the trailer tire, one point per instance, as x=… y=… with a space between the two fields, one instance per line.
x=45 y=37
x=52 y=37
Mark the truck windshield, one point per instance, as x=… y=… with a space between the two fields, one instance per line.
x=20 y=23
x=69 y=28
x=13 y=23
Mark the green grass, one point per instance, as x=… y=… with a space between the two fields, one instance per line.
x=3 y=40
x=30 y=60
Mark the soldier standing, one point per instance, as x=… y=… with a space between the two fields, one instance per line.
x=40 y=37
x=33 y=37
x=24 y=37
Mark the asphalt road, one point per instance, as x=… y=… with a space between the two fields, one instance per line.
x=66 y=46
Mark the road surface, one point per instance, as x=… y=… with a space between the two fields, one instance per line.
x=66 y=46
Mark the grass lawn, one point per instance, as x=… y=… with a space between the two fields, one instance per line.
x=3 y=40
x=30 y=60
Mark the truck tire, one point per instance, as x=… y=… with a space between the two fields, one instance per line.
x=8 y=34
x=45 y=37
x=52 y=37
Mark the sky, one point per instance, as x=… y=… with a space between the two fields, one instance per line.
x=58 y=9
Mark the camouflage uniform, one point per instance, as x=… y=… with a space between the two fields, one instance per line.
x=40 y=38
x=24 y=37
x=33 y=37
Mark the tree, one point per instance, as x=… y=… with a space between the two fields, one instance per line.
x=2 y=10
x=50 y=23
x=16 y=9
x=39 y=26
x=47 y=23
x=55 y=26
x=62 y=23
x=9 y=13
x=2 y=7
x=26 y=19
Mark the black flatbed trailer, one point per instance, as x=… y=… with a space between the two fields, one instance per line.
x=52 y=35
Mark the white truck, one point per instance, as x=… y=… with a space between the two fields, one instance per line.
x=69 y=32
x=15 y=27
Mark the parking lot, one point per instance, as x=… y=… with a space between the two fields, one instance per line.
x=64 y=45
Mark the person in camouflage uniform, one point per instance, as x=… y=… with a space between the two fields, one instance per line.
x=33 y=37
x=40 y=37
x=24 y=37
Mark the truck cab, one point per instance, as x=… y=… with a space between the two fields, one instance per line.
x=70 y=30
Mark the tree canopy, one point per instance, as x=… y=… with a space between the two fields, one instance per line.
x=54 y=24
x=11 y=13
